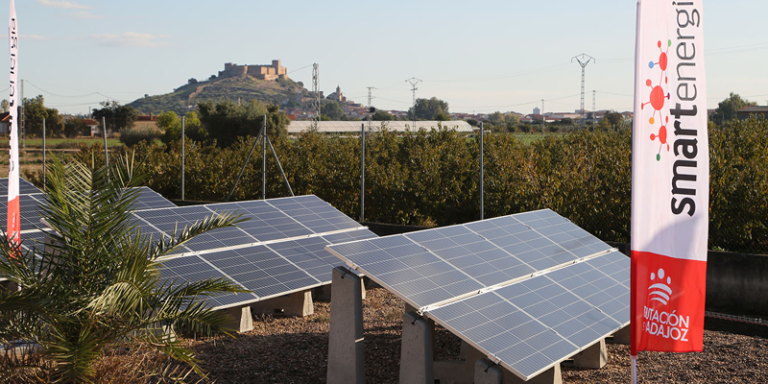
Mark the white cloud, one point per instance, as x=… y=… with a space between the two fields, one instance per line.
x=86 y=15
x=25 y=36
x=33 y=37
x=132 y=39
x=62 y=4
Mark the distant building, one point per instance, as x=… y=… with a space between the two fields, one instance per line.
x=536 y=111
x=93 y=127
x=757 y=110
x=261 y=72
x=5 y=122
x=353 y=127
x=337 y=96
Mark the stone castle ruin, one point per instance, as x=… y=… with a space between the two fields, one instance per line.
x=261 y=72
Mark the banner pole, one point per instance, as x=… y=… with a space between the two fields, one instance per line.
x=634 y=368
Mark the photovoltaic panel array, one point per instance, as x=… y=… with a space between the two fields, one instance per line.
x=149 y=199
x=25 y=187
x=531 y=325
x=32 y=199
x=529 y=290
x=280 y=249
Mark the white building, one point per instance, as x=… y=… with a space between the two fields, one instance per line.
x=353 y=127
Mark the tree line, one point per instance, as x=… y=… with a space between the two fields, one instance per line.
x=430 y=178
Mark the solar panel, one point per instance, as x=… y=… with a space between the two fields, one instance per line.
x=533 y=324
x=415 y=274
x=33 y=240
x=149 y=199
x=505 y=331
x=280 y=250
x=193 y=268
x=530 y=289
x=602 y=282
x=273 y=253
x=168 y=220
x=265 y=221
x=315 y=214
x=25 y=187
x=29 y=211
x=519 y=239
x=472 y=254
x=261 y=270
x=561 y=231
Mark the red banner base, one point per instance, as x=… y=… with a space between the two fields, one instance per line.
x=667 y=303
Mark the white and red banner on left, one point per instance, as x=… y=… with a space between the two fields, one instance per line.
x=14 y=225
x=670 y=179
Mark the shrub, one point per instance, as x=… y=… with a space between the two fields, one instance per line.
x=131 y=137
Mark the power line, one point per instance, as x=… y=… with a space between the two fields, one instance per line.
x=519 y=104
x=57 y=95
x=501 y=76
x=299 y=69
x=394 y=101
x=615 y=94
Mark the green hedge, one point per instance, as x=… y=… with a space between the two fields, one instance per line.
x=432 y=178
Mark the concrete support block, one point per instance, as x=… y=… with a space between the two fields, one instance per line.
x=346 y=345
x=487 y=372
x=296 y=304
x=594 y=357
x=416 y=353
x=460 y=371
x=452 y=372
x=621 y=336
x=325 y=293
x=241 y=319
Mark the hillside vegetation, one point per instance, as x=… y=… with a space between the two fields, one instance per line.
x=243 y=88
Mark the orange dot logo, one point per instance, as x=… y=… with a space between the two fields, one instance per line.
x=657 y=98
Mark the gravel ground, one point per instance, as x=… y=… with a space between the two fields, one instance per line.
x=294 y=350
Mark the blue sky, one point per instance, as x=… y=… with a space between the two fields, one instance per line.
x=480 y=56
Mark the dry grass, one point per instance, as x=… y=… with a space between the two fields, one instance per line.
x=294 y=350
x=139 y=365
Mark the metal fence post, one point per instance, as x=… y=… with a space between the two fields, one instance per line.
x=183 y=149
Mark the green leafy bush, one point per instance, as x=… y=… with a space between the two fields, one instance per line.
x=131 y=136
x=433 y=177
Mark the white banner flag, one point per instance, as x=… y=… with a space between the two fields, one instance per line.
x=670 y=179
x=13 y=226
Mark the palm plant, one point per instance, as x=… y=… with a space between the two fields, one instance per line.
x=96 y=283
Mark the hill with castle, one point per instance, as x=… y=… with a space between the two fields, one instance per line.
x=267 y=83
